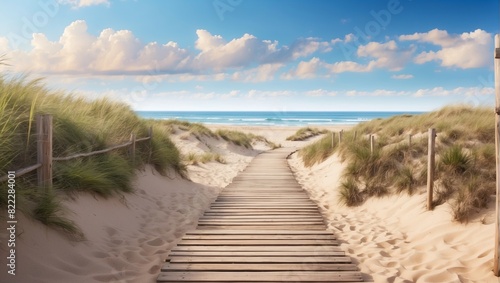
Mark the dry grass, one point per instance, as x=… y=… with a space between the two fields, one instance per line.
x=305 y=133
x=465 y=171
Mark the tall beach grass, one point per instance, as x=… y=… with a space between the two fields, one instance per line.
x=465 y=171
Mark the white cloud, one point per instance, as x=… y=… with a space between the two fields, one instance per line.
x=321 y=92
x=387 y=55
x=264 y=93
x=218 y=54
x=348 y=66
x=384 y=56
x=121 y=53
x=84 y=3
x=402 y=77
x=305 y=70
x=466 y=50
x=459 y=91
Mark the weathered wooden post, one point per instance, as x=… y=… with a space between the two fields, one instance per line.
x=496 y=260
x=132 y=147
x=372 y=143
x=150 y=132
x=44 y=150
x=431 y=159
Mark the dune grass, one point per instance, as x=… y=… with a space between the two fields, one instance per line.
x=317 y=152
x=465 y=171
x=305 y=133
x=79 y=126
x=195 y=159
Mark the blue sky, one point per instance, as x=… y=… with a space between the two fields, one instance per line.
x=286 y=55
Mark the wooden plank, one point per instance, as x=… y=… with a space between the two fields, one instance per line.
x=257 y=232
x=258 y=267
x=252 y=253
x=263 y=217
x=261 y=259
x=262 y=227
x=257 y=248
x=278 y=276
x=259 y=237
x=233 y=242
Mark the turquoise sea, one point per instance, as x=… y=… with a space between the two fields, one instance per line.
x=271 y=118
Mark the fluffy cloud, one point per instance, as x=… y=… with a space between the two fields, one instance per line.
x=387 y=55
x=381 y=56
x=218 y=54
x=462 y=91
x=122 y=53
x=305 y=70
x=466 y=50
x=84 y=3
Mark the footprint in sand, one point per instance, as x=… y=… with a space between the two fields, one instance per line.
x=156 y=242
x=100 y=254
x=111 y=231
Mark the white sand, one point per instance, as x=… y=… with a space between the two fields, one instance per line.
x=394 y=239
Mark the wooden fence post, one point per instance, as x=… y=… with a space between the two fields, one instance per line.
x=372 y=143
x=496 y=259
x=132 y=147
x=431 y=158
x=44 y=150
x=150 y=143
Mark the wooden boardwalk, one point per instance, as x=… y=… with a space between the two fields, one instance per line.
x=262 y=228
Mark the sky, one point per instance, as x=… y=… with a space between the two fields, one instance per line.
x=259 y=55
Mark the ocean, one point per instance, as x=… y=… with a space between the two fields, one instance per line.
x=270 y=118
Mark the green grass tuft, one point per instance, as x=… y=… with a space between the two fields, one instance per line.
x=318 y=151
x=49 y=211
x=349 y=193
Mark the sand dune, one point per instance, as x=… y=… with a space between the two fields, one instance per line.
x=395 y=239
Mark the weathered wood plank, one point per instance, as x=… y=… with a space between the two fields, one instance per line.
x=257 y=248
x=258 y=267
x=279 y=276
x=262 y=227
x=237 y=242
x=260 y=259
x=259 y=237
x=257 y=232
x=259 y=254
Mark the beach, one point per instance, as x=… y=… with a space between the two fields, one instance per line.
x=127 y=238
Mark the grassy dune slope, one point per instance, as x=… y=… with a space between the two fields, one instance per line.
x=465 y=158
